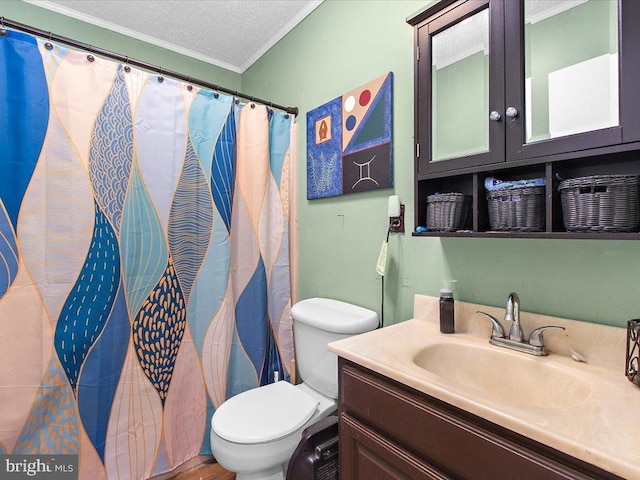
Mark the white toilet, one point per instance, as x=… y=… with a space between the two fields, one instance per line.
x=254 y=433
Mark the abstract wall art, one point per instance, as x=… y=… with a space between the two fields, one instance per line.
x=349 y=141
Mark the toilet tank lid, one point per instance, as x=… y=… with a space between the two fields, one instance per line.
x=334 y=316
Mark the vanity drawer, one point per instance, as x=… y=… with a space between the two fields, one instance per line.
x=453 y=441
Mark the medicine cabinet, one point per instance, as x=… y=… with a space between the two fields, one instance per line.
x=524 y=89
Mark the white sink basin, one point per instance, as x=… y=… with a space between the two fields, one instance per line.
x=512 y=377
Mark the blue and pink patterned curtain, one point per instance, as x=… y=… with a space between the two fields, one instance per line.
x=144 y=265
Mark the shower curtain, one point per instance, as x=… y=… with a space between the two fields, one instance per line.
x=144 y=259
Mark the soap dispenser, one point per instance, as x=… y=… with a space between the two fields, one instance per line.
x=446 y=308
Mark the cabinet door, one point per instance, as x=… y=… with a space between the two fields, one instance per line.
x=366 y=455
x=566 y=75
x=460 y=82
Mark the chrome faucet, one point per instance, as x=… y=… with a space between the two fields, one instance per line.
x=512 y=314
x=515 y=341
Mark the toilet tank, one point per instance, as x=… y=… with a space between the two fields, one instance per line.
x=316 y=323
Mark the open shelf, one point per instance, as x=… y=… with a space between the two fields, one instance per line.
x=553 y=235
x=626 y=162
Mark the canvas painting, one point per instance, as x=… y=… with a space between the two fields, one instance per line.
x=349 y=141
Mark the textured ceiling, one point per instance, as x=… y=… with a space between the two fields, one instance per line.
x=232 y=34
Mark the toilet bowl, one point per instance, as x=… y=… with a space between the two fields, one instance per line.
x=255 y=432
x=258 y=430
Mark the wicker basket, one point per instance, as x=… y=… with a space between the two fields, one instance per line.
x=517 y=209
x=601 y=203
x=447 y=212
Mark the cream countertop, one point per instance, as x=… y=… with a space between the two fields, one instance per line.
x=603 y=430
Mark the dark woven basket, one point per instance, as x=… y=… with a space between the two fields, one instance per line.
x=447 y=212
x=517 y=209
x=601 y=203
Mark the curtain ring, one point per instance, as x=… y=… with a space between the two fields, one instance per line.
x=216 y=94
x=3 y=30
x=237 y=101
x=287 y=116
x=189 y=87
x=49 y=45
x=160 y=77
x=127 y=68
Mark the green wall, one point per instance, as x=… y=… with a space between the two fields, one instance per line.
x=343 y=44
x=340 y=46
x=70 y=27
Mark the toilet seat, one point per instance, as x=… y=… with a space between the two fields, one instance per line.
x=263 y=414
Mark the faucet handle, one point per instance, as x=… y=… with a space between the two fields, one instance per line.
x=536 y=339
x=497 y=331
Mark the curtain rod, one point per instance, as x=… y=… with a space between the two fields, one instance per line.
x=52 y=37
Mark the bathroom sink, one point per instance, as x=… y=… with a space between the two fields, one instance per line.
x=584 y=410
x=511 y=377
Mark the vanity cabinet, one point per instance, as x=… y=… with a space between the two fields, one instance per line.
x=390 y=431
x=519 y=89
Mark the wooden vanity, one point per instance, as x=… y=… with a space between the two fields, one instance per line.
x=398 y=421
x=390 y=431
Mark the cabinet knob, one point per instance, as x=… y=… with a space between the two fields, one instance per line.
x=495 y=116
x=512 y=112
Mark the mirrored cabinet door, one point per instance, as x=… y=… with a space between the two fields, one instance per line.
x=460 y=88
x=564 y=79
x=571 y=67
x=460 y=96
